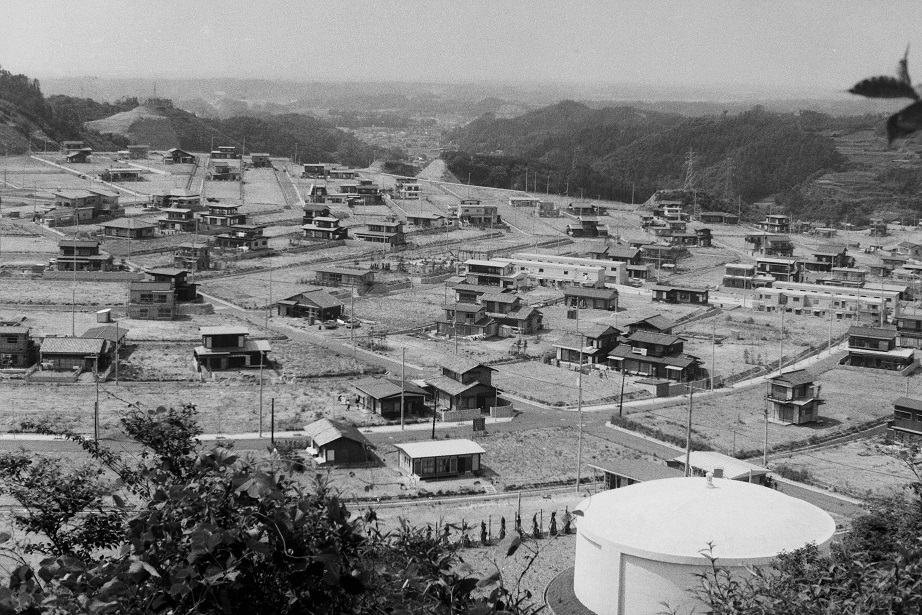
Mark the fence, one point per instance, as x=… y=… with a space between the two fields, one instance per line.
x=502 y=412
x=457 y=416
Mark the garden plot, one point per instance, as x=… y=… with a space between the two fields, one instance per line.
x=151 y=361
x=558 y=386
x=226 y=406
x=47 y=322
x=733 y=422
x=62 y=292
x=862 y=468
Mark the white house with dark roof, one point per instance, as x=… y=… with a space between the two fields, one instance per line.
x=439 y=458
x=228 y=348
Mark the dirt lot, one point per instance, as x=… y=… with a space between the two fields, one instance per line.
x=860 y=468
x=735 y=422
x=558 y=385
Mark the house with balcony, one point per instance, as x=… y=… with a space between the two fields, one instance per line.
x=223 y=214
x=179 y=198
x=775 y=223
x=744 y=276
x=228 y=348
x=177 y=220
x=779 y=268
x=183 y=289
x=792 y=398
x=496 y=273
x=655 y=355
x=151 y=300
x=909 y=326
x=226 y=169
x=82 y=255
x=593 y=344
x=192 y=256
x=829 y=257
x=408 y=188
x=587 y=227
x=475 y=213
x=878 y=228
x=464 y=384
x=388 y=232
x=466 y=319
x=512 y=315
x=770 y=245
x=243 y=237
x=319 y=223
x=876 y=348
x=906 y=425
x=315 y=170
x=17 y=348
x=680 y=294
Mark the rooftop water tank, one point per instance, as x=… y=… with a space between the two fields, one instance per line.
x=641 y=546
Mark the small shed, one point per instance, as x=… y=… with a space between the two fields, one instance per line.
x=439 y=458
x=333 y=442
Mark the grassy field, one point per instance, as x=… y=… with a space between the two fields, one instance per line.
x=735 y=422
x=558 y=385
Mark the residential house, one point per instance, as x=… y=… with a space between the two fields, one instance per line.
x=845 y=276
x=620 y=472
x=183 y=289
x=178 y=220
x=243 y=237
x=703 y=237
x=523 y=201
x=721 y=466
x=319 y=223
x=770 y=245
x=680 y=294
x=17 y=348
x=657 y=355
x=793 y=398
x=829 y=257
x=475 y=213
x=341 y=173
x=388 y=232
x=224 y=170
x=581 y=209
x=408 y=188
x=591 y=298
x=336 y=443
x=654 y=324
x=554 y=270
x=427 y=220
x=439 y=459
x=512 y=314
x=129 y=228
x=781 y=269
x=466 y=319
x=223 y=214
x=385 y=396
x=906 y=425
x=192 y=257
x=317 y=194
x=121 y=174
x=151 y=301
x=228 y=348
x=744 y=275
x=662 y=256
x=718 y=217
x=79 y=156
x=497 y=273
x=315 y=171
x=73 y=354
x=106 y=204
x=82 y=255
x=909 y=250
x=616 y=252
x=138 y=152
x=471 y=293
x=343 y=276
x=587 y=227
x=877 y=348
x=592 y=344
x=71 y=146
x=177 y=197
x=910 y=330
x=464 y=384
x=869 y=304
x=877 y=228
x=226 y=152
x=178 y=156
x=775 y=223
x=260 y=161
x=314 y=305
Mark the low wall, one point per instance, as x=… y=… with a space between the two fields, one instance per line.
x=502 y=412
x=456 y=416
x=188 y=309
x=93 y=276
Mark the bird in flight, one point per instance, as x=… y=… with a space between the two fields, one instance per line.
x=906 y=121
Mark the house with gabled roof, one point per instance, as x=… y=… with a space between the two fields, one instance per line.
x=655 y=324
x=591 y=298
x=178 y=156
x=511 y=313
x=73 y=353
x=620 y=472
x=464 y=384
x=593 y=344
x=314 y=305
x=680 y=294
x=466 y=319
x=439 y=459
x=382 y=395
x=227 y=347
x=876 y=347
x=335 y=443
x=657 y=355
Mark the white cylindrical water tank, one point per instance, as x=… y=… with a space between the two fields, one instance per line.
x=641 y=546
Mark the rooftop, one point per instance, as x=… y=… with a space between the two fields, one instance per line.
x=111 y=333
x=129 y=223
x=875 y=332
x=460 y=365
x=72 y=345
x=795 y=378
x=637 y=469
x=733 y=468
x=652 y=337
x=440 y=448
x=325 y=431
x=908 y=402
x=223 y=331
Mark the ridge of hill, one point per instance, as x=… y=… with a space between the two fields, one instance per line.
x=141 y=125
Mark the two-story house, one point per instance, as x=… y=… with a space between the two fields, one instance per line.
x=909 y=327
x=473 y=212
x=775 y=223
x=906 y=425
x=593 y=344
x=825 y=258
x=192 y=256
x=388 y=232
x=780 y=268
x=656 y=355
x=793 y=398
x=17 y=348
x=466 y=319
x=770 y=245
x=183 y=289
x=512 y=314
x=82 y=255
x=492 y=273
x=177 y=219
x=229 y=348
x=319 y=223
x=876 y=348
x=464 y=384
x=243 y=237
x=745 y=276
x=680 y=294
x=223 y=214
x=151 y=301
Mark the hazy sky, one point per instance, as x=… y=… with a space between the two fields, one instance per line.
x=820 y=44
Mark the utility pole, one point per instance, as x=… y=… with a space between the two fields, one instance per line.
x=781 y=344
x=579 y=412
x=688 y=441
x=96 y=405
x=765 y=442
x=621 y=398
x=272 y=423
x=261 y=361
x=116 y=352
x=403 y=383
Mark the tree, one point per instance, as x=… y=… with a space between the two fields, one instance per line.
x=209 y=531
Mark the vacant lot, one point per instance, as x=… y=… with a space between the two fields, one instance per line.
x=559 y=385
x=860 y=468
x=735 y=422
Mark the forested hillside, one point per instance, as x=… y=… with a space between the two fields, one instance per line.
x=611 y=151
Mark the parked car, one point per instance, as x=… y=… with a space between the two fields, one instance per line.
x=330 y=324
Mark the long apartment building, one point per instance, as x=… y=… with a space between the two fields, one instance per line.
x=550 y=269
x=866 y=304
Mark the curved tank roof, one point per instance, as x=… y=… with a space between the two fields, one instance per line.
x=675 y=519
